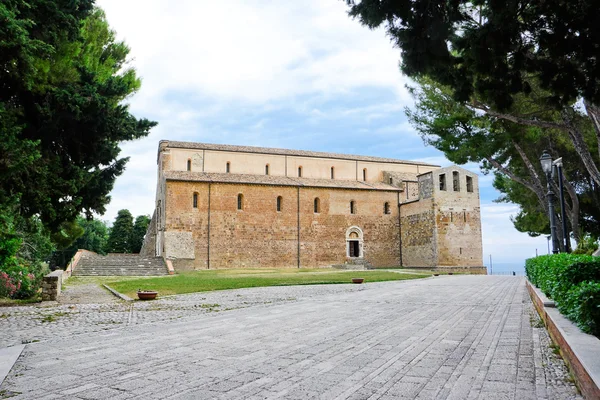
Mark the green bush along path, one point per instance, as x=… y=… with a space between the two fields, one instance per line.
x=573 y=282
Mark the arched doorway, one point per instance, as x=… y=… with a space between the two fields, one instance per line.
x=354 y=242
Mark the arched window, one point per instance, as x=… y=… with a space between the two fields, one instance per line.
x=228 y=167
x=386 y=208
x=391 y=180
x=317 y=205
x=240 y=201
x=332 y=173
x=364 y=174
x=189 y=164
x=279 y=200
x=455 y=181
x=300 y=172
x=352 y=207
x=195 y=200
x=267 y=169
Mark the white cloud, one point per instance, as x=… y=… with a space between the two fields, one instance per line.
x=259 y=52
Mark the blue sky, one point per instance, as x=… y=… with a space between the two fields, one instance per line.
x=297 y=75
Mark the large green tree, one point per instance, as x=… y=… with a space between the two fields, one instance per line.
x=119 y=239
x=485 y=46
x=510 y=151
x=490 y=50
x=139 y=231
x=63 y=79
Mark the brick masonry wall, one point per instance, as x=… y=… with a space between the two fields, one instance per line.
x=323 y=235
x=258 y=236
x=418 y=238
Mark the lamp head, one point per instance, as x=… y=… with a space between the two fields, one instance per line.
x=546 y=161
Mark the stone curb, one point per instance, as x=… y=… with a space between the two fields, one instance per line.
x=8 y=357
x=580 y=351
x=119 y=295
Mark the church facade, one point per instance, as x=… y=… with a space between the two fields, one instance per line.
x=224 y=206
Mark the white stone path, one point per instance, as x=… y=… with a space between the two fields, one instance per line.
x=454 y=337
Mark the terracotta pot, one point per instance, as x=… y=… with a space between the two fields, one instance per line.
x=147 y=294
x=358 y=280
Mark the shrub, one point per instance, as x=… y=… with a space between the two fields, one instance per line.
x=573 y=282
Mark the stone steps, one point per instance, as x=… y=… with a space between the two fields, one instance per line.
x=120 y=265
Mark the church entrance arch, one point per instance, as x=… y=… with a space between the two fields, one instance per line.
x=354 y=242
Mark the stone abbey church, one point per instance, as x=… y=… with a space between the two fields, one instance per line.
x=223 y=206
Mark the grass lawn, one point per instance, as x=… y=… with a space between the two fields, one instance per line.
x=207 y=280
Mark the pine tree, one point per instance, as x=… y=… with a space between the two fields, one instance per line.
x=119 y=239
x=138 y=233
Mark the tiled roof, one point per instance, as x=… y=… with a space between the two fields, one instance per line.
x=275 y=180
x=286 y=152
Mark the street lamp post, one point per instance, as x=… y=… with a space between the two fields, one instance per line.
x=558 y=164
x=546 y=161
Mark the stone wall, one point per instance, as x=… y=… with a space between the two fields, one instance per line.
x=419 y=247
x=51 y=285
x=259 y=236
x=458 y=221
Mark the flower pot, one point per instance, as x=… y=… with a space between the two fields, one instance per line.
x=450 y=273
x=147 y=294
x=436 y=274
x=358 y=280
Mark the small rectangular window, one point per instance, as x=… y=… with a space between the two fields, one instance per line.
x=299 y=172
x=332 y=173
x=195 y=200
x=267 y=169
x=442 y=181
x=228 y=167
x=469 y=184
x=455 y=181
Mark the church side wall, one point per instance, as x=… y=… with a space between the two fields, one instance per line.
x=323 y=234
x=186 y=227
x=280 y=165
x=258 y=236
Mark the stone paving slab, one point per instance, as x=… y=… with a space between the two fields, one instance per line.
x=459 y=337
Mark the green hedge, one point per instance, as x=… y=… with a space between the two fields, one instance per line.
x=573 y=282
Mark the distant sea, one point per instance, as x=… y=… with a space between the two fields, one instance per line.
x=506 y=268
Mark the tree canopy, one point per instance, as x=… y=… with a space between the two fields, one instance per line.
x=486 y=47
x=63 y=81
x=63 y=77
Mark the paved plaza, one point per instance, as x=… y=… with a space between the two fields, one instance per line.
x=451 y=337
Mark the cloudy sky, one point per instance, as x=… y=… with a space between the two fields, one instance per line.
x=297 y=75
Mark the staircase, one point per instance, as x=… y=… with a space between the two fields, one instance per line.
x=114 y=264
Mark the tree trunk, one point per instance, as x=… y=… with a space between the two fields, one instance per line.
x=580 y=146
x=593 y=111
x=574 y=209
x=535 y=187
